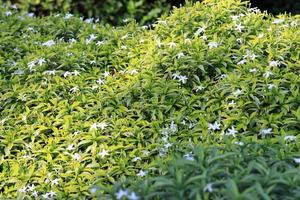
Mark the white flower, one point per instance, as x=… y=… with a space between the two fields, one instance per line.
x=70 y=147
x=142 y=173
x=271 y=86
x=235 y=17
x=278 y=21
x=182 y=79
x=231 y=131
x=167 y=145
x=290 y=138
x=189 y=156
x=90 y=39
x=66 y=74
x=213 y=45
x=173 y=127
x=232 y=103
x=121 y=193
x=172 y=44
x=49 y=72
x=297 y=160
x=132 y=196
x=199 y=31
x=54 y=182
x=239 y=143
x=76 y=156
x=267 y=74
x=274 y=63
x=265 y=131
x=99 y=43
x=237 y=92
x=135 y=159
x=261 y=35
x=30 y=15
x=72 y=40
x=35 y=194
x=239 y=27
x=199 y=88
x=103 y=153
x=68 y=16
x=250 y=55
x=208 y=188
x=49 y=43
x=145 y=152
x=175 y=75
x=89 y=20
x=75 y=73
x=23 y=190
x=253 y=70
x=180 y=55
x=106 y=74
x=242 y=62
x=31 y=188
x=101 y=125
x=8 y=13
x=133 y=71
x=100 y=81
x=215 y=126
x=74 y=89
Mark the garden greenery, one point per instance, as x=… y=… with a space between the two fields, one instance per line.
x=202 y=104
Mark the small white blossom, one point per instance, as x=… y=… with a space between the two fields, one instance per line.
x=290 y=138
x=74 y=89
x=145 y=152
x=132 y=196
x=49 y=72
x=231 y=131
x=189 y=156
x=253 y=70
x=215 y=126
x=199 y=31
x=55 y=181
x=75 y=73
x=239 y=143
x=232 y=103
x=237 y=92
x=23 y=190
x=267 y=74
x=99 y=43
x=239 y=27
x=297 y=160
x=199 y=88
x=8 y=13
x=175 y=75
x=142 y=173
x=182 y=79
x=208 y=188
x=103 y=153
x=265 y=131
x=180 y=55
x=274 y=63
x=172 y=44
x=89 y=20
x=242 y=62
x=213 y=45
x=100 y=81
x=76 y=156
x=235 y=17
x=49 y=43
x=121 y=193
x=271 y=86
x=70 y=147
x=133 y=71
x=68 y=16
x=106 y=74
x=135 y=159
x=278 y=21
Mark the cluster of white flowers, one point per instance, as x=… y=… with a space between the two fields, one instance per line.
x=34 y=63
x=181 y=78
x=101 y=125
x=166 y=132
x=74 y=73
x=125 y=193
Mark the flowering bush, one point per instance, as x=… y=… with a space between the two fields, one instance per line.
x=89 y=110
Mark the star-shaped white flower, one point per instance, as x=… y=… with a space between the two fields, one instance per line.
x=103 y=153
x=49 y=43
x=208 y=188
x=70 y=147
x=212 y=45
x=106 y=74
x=142 y=173
x=231 y=131
x=76 y=156
x=100 y=81
x=182 y=79
x=265 y=131
x=121 y=193
x=290 y=138
x=215 y=126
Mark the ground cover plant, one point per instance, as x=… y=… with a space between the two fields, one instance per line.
x=202 y=104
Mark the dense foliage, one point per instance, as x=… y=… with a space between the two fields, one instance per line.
x=202 y=104
x=112 y=11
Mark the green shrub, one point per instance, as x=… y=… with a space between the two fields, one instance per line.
x=86 y=105
x=112 y=11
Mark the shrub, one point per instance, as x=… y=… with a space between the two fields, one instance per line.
x=84 y=104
